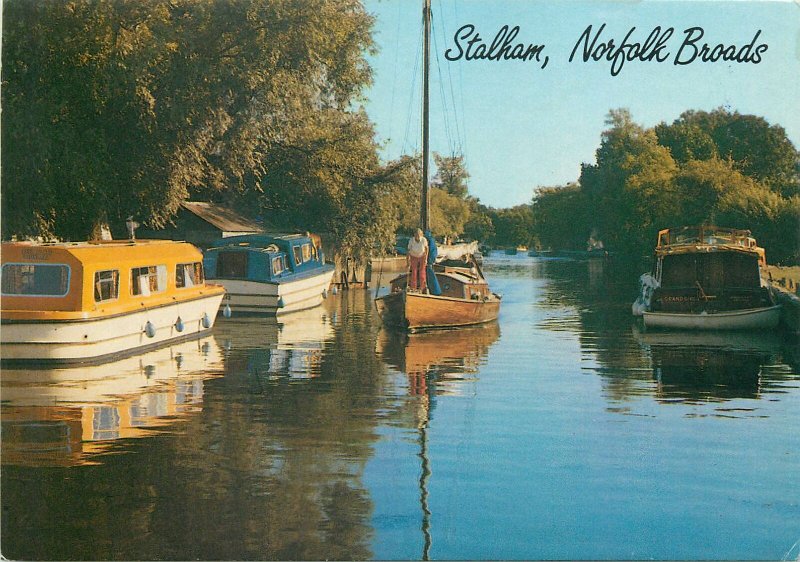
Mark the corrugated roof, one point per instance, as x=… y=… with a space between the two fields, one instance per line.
x=221 y=217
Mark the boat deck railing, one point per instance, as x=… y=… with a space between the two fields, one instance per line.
x=705 y=235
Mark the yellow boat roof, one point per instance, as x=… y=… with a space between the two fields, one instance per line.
x=99 y=252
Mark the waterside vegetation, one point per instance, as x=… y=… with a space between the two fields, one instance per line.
x=115 y=110
x=716 y=167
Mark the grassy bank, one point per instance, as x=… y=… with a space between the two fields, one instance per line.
x=785 y=277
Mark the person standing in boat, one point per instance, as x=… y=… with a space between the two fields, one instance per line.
x=417 y=261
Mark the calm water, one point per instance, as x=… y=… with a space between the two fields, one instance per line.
x=561 y=431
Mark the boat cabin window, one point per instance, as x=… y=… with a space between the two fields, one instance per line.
x=232 y=265
x=306 y=252
x=188 y=274
x=716 y=270
x=106 y=285
x=298 y=255
x=278 y=265
x=35 y=279
x=148 y=280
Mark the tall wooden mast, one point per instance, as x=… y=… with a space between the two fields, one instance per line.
x=426 y=198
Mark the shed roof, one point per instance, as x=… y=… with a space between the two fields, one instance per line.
x=221 y=217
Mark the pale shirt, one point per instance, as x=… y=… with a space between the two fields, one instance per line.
x=417 y=248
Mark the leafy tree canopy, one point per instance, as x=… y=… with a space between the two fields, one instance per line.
x=719 y=167
x=130 y=107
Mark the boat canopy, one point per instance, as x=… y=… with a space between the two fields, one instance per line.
x=456 y=251
x=261 y=257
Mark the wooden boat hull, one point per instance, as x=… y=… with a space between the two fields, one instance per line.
x=748 y=319
x=277 y=298
x=420 y=311
x=101 y=338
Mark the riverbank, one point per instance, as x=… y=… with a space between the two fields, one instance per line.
x=787 y=282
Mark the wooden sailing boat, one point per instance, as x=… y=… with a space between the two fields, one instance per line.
x=465 y=298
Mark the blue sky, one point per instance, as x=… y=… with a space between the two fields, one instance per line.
x=521 y=126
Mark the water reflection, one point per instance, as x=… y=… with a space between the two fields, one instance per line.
x=716 y=367
x=270 y=469
x=290 y=346
x=592 y=298
x=441 y=357
x=69 y=416
x=435 y=363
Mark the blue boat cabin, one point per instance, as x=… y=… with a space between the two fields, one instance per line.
x=262 y=257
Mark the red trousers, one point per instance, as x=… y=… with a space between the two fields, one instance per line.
x=417 y=279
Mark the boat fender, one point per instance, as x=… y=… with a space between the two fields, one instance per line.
x=324 y=293
x=149 y=329
x=226 y=312
x=281 y=302
x=206 y=321
x=179 y=324
x=335 y=290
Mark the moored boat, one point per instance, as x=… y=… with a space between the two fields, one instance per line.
x=269 y=274
x=92 y=301
x=707 y=278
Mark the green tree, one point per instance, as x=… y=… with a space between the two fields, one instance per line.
x=630 y=186
x=760 y=150
x=479 y=226
x=561 y=217
x=514 y=226
x=449 y=214
x=451 y=175
x=128 y=108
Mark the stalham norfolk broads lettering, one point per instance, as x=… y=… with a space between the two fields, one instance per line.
x=595 y=44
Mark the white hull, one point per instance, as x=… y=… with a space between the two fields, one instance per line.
x=252 y=297
x=75 y=341
x=749 y=319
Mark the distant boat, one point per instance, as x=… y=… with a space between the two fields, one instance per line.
x=269 y=274
x=707 y=278
x=465 y=298
x=78 y=302
x=592 y=253
x=540 y=253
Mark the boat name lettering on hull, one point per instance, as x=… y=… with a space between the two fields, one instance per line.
x=36 y=253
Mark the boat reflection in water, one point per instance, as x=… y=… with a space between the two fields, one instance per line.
x=441 y=357
x=290 y=345
x=716 y=366
x=69 y=416
x=435 y=363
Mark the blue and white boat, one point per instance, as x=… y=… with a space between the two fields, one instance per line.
x=269 y=274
